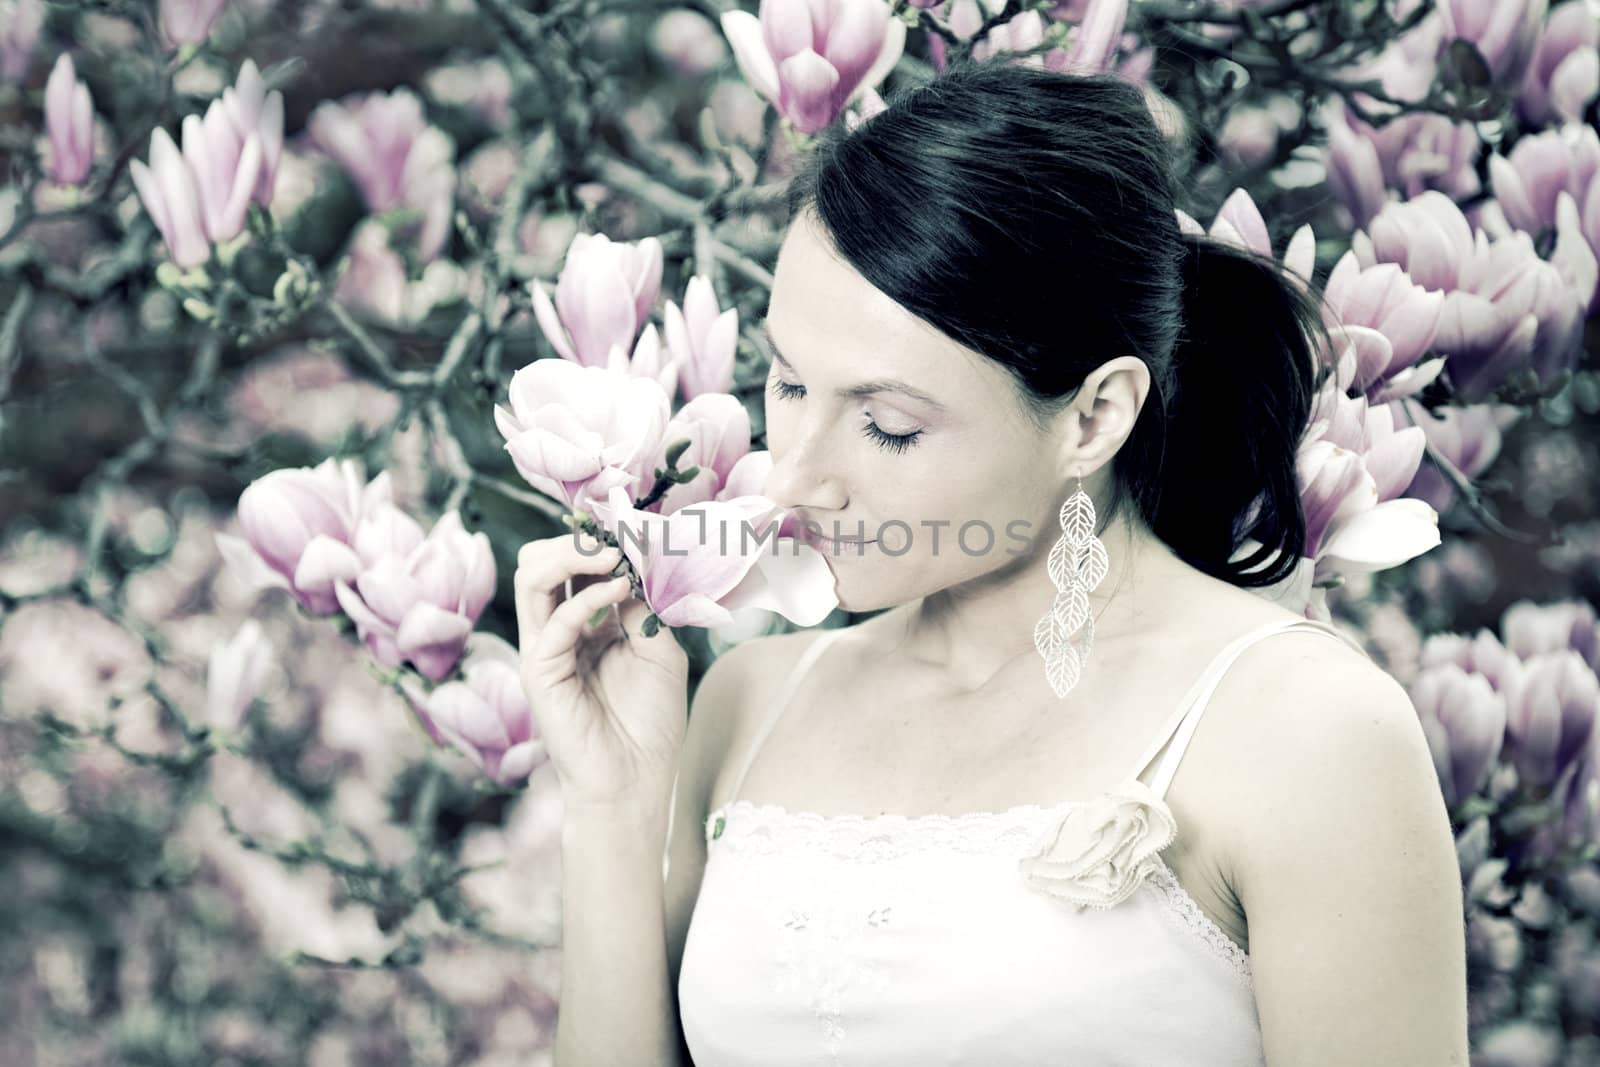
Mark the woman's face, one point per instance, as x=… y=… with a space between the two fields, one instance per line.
x=882 y=429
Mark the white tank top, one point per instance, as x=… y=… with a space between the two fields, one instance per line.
x=887 y=940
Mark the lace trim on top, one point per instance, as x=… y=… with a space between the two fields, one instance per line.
x=742 y=827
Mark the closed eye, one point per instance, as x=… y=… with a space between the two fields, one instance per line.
x=889 y=442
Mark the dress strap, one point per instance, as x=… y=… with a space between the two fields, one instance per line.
x=1180 y=726
x=776 y=708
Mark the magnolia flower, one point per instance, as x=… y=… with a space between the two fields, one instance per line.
x=1388 y=321
x=1352 y=467
x=1531 y=629
x=20 y=23
x=702 y=564
x=226 y=168
x=486 y=716
x=1503 y=307
x=170 y=194
x=703 y=339
x=687 y=42
x=1094 y=40
x=575 y=433
x=188 y=21
x=811 y=58
x=253 y=110
x=1483 y=653
x=604 y=294
x=1564 y=73
x=373 y=279
x=649 y=360
x=69 y=121
x=418 y=600
x=1464 y=720
x=234 y=675
x=299 y=530
x=1551 y=703
x=1467 y=437
x=717 y=427
x=1101 y=851
x=1528 y=186
x=397 y=161
x=1239 y=222
x=1503 y=31
x=1410 y=153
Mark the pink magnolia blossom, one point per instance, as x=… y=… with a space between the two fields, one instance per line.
x=299 y=527
x=189 y=21
x=1468 y=437
x=252 y=109
x=1505 y=32
x=717 y=427
x=1353 y=465
x=687 y=42
x=234 y=674
x=1504 y=307
x=649 y=360
x=576 y=432
x=812 y=58
x=1388 y=320
x=1239 y=222
x=168 y=189
x=226 y=168
x=1482 y=653
x=1528 y=187
x=1530 y=628
x=486 y=716
x=397 y=161
x=720 y=561
x=1551 y=703
x=1464 y=720
x=69 y=121
x=20 y=23
x=1564 y=73
x=605 y=293
x=1408 y=154
x=703 y=339
x=1089 y=50
x=417 y=599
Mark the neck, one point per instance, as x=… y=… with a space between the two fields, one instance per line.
x=973 y=631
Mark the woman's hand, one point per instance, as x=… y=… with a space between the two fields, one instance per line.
x=612 y=704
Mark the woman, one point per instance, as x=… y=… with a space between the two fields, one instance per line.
x=986 y=826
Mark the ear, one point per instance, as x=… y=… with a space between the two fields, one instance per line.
x=1101 y=417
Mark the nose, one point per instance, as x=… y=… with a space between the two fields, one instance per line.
x=801 y=478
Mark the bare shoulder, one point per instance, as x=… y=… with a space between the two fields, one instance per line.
x=1344 y=862
x=742 y=680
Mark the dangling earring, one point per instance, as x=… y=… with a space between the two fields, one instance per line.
x=1078 y=564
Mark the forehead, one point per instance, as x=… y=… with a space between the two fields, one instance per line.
x=829 y=320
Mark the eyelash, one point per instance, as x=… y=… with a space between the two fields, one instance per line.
x=887 y=441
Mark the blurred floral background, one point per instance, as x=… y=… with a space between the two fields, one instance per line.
x=269 y=790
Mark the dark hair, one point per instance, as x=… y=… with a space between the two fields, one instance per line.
x=1029 y=215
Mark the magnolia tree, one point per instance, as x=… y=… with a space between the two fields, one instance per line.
x=311 y=315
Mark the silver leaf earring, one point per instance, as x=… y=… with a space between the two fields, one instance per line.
x=1078 y=564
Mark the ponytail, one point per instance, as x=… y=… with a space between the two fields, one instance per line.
x=1245 y=376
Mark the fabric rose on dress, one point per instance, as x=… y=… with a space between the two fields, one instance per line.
x=1102 y=851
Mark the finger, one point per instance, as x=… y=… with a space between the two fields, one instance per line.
x=553 y=654
x=541 y=578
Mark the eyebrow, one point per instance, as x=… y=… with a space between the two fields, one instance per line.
x=860 y=389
